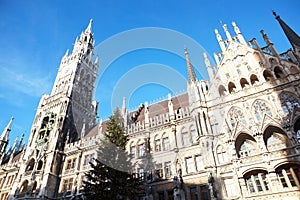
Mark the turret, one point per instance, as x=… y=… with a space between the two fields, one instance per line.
x=238 y=33
x=269 y=43
x=209 y=68
x=220 y=41
x=4 y=136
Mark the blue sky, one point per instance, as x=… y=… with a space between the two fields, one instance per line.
x=36 y=34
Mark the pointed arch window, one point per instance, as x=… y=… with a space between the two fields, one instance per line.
x=222 y=90
x=278 y=72
x=231 y=87
x=267 y=75
x=260 y=109
x=276 y=142
x=141 y=148
x=244 y=82
x=288 y=102
x=235 y=116
x=248 y=148
x=253 y=79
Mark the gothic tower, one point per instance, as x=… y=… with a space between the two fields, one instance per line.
x=62 y=117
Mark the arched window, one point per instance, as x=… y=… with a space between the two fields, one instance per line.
x=132 y=150
x=275 y=138
x=24 y=187
x=231 y=87
x=222 y=90
x=253 y=79
x=34 y=185
x=193 y=133
x=294 y=69
x=30 y=165
x=276 y=142
x=248 y=148
x=221 y=154
x=244 y=82
x=236 y=115
x=288 y=102
x=267 y=75
x=165 y=142
x=260 y=109
x=273 y=61
x=157 y=143
x=289 y=175
x=278 y=72
x=185 y=137
x=257 y=181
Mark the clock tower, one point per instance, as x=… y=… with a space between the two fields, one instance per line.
x=62 y=117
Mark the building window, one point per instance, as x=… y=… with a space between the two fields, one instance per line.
x=289 y=176
x=67 y=184
x=71 y=163
x=194 y=195
x=260 y=109
x=168 y=170
x=185 y=137
x=248 y=148
x=157 y=144
x=141 y=149
x=141 y=173
x=230 y=187
x=88 y=159
x=190 y=165
x=275 y=142
x=204 y=192
x=257 y=182
x=221 y=154
x=132 y=150
x=199 y=162
x=159 y=171
x=288 y=102
x=166 y=143
x=235 y=116
x=10 y=180
x=194 y=134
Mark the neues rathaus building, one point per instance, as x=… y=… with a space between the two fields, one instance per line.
x=233 y=136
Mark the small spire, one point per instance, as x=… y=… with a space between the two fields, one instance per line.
x=67 y=53
x=220 y=41
x=206 y=60
x=238 y=33
x=227 y=32
x=89 y=27
x=6 y=131
x=191 y=73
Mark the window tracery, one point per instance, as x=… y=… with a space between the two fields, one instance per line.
x=288 y=102
x=248 y=148
x=235 y=116
x=260 y=109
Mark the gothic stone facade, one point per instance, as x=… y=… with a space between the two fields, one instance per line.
x=234 y=136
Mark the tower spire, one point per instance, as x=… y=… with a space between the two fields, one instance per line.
x=6 y=131
x=191 y=72
x=292 y=36
x=89 y=27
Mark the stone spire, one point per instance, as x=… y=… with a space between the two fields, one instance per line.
x=292 y=36
x=89 y=27
x=191 y=72
x=6 y=131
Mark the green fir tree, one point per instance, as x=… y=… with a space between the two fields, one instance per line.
x=110 y=177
